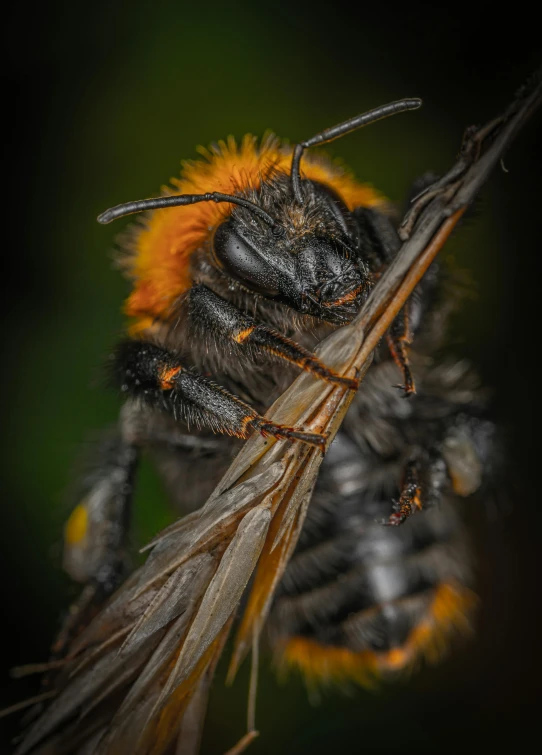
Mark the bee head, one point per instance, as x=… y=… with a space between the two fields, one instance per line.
x=311 y=265
x=298 y=245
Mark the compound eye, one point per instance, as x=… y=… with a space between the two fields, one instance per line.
x=336 y=207
x=243 y=260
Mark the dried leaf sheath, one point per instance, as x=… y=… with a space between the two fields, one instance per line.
x=137 y=675
x=130 y=642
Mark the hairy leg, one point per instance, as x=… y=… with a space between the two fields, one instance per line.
x=231 y=331
x=161 y=380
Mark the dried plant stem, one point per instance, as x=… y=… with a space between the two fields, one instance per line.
x=414 y=276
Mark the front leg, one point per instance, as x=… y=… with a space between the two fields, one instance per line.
x=240 y=333
x=157 y=377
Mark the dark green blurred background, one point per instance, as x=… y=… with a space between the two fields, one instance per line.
x=103 y=100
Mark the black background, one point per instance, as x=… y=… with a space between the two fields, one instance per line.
x=234 y=67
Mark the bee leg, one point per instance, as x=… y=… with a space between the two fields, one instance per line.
x=419 y=187
x=245 y=335
x=157 y=377
x=189 y=464
x=399 y=338
x=424 y=481
x=95 y=534
x=411 y=495
x=380 y=241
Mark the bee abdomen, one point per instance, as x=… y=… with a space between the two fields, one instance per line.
x=359 y=600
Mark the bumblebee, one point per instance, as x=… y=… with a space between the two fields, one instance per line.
x=243 y=264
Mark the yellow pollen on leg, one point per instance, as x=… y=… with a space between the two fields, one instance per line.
x=77 y=525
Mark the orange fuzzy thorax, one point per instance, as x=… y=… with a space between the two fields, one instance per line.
x=160 y=260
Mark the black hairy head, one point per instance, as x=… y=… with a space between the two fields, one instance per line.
x=312 y=265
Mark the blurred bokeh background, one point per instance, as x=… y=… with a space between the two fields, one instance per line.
x=103 y=100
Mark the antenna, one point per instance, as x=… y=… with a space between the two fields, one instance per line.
x=330 y=134
x=179 y=200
